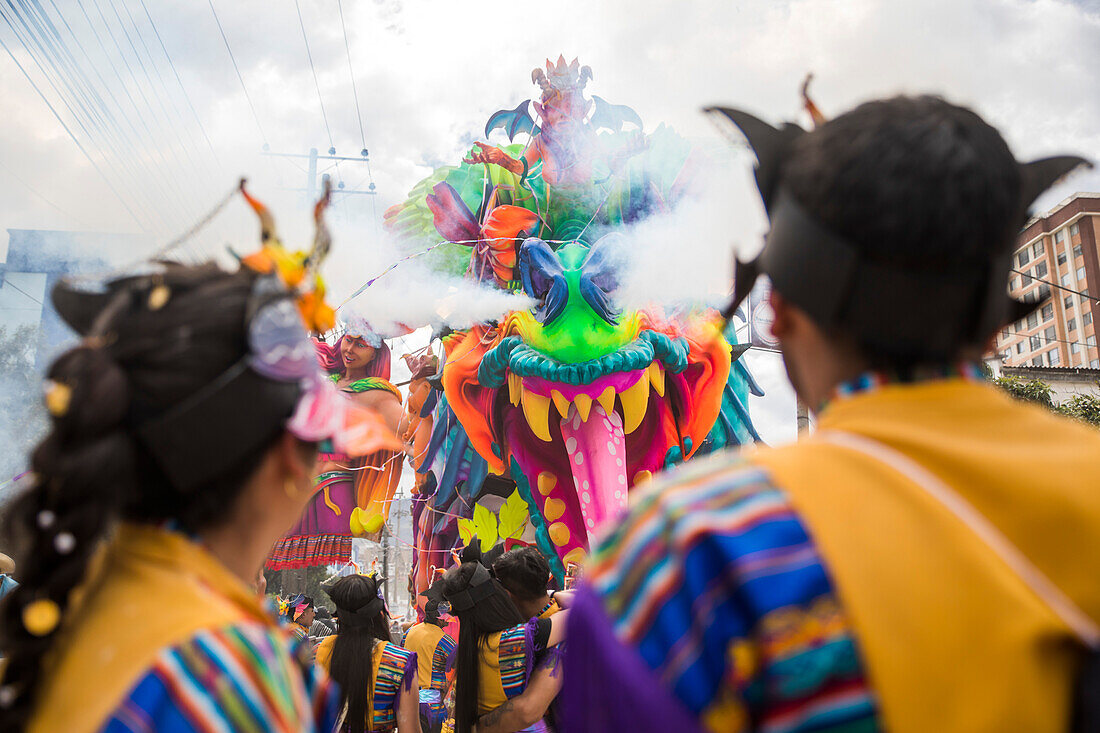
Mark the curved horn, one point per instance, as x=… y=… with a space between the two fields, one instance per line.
x=267 y=221
x=769 y=144
x=1039 y=175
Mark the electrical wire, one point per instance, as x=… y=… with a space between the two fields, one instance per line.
x=317 y=85
x=8 y=282
x=183 y=89
x=31 y=188
x=69 y=132
x=351 y=73
x=240 y=78
x=1056 y=285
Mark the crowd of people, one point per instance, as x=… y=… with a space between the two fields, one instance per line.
x=926 y=559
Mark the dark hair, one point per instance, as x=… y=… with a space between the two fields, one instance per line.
x=913 y=182
x=523 y=572
x=353 y=651
x=487 y=616
x=89 y=469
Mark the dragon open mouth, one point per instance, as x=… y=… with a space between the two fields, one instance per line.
x=588 y=431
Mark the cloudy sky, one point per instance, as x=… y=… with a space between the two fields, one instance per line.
x=428 y=73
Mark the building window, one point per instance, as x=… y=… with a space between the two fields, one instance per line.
x=1068 y=302
x=1037 y=248
x=1044 y=291
x=1019 y=347
x=1071 y=324
x=1014 y=283
x=1059 y=236
x=1074 y=347
x=1084 y=296
x=1041 y=269
x=1024 y=258
x=1095 y=364
x=1032 y=319
x=1061 y=258
x=1074 y=229
x=1050 y=333
x=1066 y=280
x=1055 y=357
x=1036 y=342
x=1080 y=273
x=1090 y=341
x=1086 y=319
x=1077 y=251
x=1048 y=312
x=1037 y=361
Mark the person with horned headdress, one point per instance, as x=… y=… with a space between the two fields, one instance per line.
x=435 y=649
x=901 y=567
x=183 y=439
x=506 y=671
x=377 y=678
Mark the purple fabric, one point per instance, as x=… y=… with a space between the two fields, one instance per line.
x=608 y=686
x=407 y=679
x=319 y=519
x=529 y=630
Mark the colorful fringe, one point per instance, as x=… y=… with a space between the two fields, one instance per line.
x=309 y=550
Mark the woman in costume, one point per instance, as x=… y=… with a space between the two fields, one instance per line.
x=376 y=678
x=352 y=495
x=436 y=651
x=499 y=653
x=182 y=445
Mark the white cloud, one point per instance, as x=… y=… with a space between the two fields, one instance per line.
x=429 y=73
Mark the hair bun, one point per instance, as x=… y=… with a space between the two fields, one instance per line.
x=99 y=391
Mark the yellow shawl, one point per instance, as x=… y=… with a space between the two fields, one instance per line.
x=952 y=639
x=151 y=589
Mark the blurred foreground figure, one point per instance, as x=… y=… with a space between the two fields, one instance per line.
x=377 y=679
x=435 y=652
x=927 y=559
x=183 y=443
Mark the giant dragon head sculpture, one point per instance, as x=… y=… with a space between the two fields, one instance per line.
x=586 y=402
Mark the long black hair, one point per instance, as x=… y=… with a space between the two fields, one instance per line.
x=489 y=614
x=362 y=617
x=150 y=350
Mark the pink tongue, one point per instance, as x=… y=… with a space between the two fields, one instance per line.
x=597 y=457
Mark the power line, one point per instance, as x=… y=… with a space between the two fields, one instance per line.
x=179 y=81
x=7 y=282
x=1005 y=332
x=69 y=132
x=351 y=73
x=240 y=78
x=1056 y=285
x=31 y=188
x=316 y=84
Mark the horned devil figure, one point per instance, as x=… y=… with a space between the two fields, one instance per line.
x=547 y=420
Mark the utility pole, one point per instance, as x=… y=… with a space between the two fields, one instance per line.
x=313 y=156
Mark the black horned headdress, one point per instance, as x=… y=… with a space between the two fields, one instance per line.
x=827 y=277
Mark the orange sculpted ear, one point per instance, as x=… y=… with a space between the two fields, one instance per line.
x=472 y=403
x=501 y=233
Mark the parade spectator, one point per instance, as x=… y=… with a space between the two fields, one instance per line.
x=377 y=678
x=927 y=558
x=322 y=625
x=499 y=652
x=525 y=574
x=7 y=570
x=178 y=453
x=435 y=650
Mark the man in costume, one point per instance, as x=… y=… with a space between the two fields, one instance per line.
x=435 y=652
x=926 y=560
x=525 y=573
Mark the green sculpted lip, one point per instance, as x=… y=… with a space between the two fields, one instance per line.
x=517 y=357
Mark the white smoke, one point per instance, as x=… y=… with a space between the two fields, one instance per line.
x=411 y=293
x=684 y=257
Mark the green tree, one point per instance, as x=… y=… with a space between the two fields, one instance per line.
x=1084 y=407
x=1027 y=390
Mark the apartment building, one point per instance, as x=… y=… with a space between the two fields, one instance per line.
x=1057 y=261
